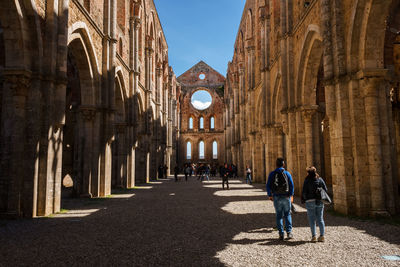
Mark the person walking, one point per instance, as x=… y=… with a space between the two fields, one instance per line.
x=315 y=207
x=225 y=176
x=248 y=175
x=280 y=189
x=187 y=171
x=176 y=171
x=207 y=172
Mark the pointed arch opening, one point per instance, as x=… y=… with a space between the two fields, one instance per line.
x=188 y=150
x=215 y=150
x=201 y=150
x=190 y=123
x=212 y=123
x=201 y=123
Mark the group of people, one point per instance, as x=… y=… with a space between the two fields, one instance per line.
x=280 y=189
x=162 y=172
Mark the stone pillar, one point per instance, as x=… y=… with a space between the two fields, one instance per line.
x=308 y=113
x=88 y=114
x=132 y=166
x=148 y=167
x=370 y=87
x=15 y=93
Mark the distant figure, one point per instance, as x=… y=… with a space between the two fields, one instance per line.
x=176 y=171
x=235 y=171
x=280 y=189
x=160 y=172
x=187 y=171
x=248 y=175
x=225 y=176
x=165 y=169
x=206 y=172
x=315 y=207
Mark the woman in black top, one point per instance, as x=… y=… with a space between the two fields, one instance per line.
x=315 y=207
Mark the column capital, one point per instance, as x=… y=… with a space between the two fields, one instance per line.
x=149 y=50
x=18 y=80
x=309 y=111
x=88 y=112
x=137 y=22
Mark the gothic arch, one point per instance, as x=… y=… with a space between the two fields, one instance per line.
x=249 y=25
x=136 y=8
x=120 y=96
x=367 y=35
x=310 y=60
x=276 y=106
x=260 y=111
x=81 y=47
x=21 y=35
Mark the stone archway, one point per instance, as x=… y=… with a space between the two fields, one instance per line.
x=79 y=171
x=314 y=140
x=119 y=148
x=20 y=57
x=141 y=154
x=370 y=53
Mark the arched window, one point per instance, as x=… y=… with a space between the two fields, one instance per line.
x=191 y=123
x=215 y=150
x=201 y=123
x=212 y=123
x=201 y=150
x=188 y=150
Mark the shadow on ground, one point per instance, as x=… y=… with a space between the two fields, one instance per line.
x=160 y=223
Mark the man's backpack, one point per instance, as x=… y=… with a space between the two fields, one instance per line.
x=280 y=183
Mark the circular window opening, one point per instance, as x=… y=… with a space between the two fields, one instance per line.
x=201 y=100
x=202 y=76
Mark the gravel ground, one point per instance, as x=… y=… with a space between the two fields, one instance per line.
x=189 y=224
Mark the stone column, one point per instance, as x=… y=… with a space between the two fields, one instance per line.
x=121 y=155
x=15 y=93
x=149 y=67
x=250 y=51
x=373 y=125
x=88 y=114
x=132 y=166
x=308 y=113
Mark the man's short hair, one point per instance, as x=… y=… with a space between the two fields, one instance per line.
x=280 y=162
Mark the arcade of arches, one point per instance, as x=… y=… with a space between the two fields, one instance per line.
x=317 y=82
x=89 y=102
x=87 y=96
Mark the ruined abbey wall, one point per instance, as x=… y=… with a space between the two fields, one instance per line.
x=317 y=82
x=88 y=101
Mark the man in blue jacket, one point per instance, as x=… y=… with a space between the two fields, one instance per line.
x=280 y=189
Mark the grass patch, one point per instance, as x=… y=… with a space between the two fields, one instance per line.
x=63 y=211
x=393 y=220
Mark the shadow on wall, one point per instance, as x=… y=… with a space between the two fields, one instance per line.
x=92 y=148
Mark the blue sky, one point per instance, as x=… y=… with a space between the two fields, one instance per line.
x=200 y=30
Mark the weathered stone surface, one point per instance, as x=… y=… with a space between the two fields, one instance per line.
x=80 y=104
x=338 y=60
